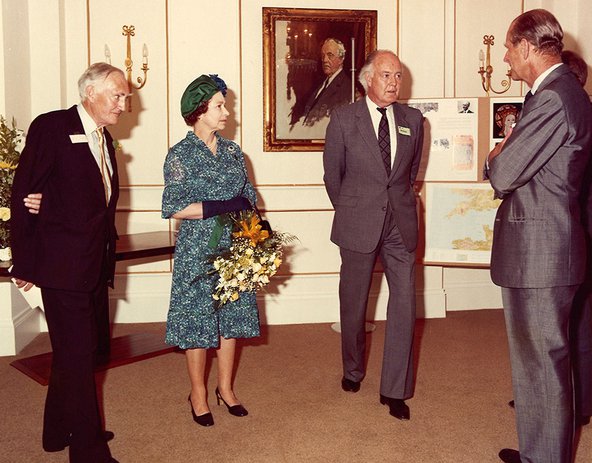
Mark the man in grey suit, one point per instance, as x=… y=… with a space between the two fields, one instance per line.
x=539 y=250
x=371 y=158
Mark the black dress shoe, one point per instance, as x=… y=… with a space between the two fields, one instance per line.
x=203 y=420
x=511 y=404
x=350 y=386
x=397 y=407
x=582 y=420
x=509 y=456
x=107 y=435
x=236 y=410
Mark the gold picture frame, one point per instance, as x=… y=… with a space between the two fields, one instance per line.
x=292 y=71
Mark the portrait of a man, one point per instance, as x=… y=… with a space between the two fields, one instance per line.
x=336 y=87
x=311 y=65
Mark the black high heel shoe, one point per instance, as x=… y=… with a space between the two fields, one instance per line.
x=203 y=420
x=236 y=410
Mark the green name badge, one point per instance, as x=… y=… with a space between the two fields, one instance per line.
x=405 y=131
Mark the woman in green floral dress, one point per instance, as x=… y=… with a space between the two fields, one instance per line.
x=205 y=179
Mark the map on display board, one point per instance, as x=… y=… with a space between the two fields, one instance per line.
x=450 y=139
x=459 y=222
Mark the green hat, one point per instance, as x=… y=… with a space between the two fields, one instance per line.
x=201 y=89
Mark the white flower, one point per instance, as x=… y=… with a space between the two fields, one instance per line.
x=5 y=254
x=4 y=214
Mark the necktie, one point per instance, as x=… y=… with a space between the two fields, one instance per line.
x=527 y=97
x=384 y=140
x=104 y=168
x=325 y=85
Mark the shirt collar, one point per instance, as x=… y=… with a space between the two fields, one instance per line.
x=88 y=123
x=539 y=79
x=331 y=78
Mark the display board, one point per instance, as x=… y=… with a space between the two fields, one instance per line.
x=456 y=205
x=450 y=139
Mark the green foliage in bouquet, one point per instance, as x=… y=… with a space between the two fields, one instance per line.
x=10 y=138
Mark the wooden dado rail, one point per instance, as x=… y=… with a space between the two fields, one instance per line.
x=134 y=246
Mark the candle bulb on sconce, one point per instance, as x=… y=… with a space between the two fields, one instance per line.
x=107 y=54
x=486 y=69
x=145 y=54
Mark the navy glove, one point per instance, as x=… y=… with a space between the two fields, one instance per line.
x=213 y=208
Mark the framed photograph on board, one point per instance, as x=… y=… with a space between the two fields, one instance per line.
x=300 y=88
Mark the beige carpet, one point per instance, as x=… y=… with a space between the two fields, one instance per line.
x=289 y=379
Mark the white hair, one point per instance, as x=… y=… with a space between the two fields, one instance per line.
x=96 y=72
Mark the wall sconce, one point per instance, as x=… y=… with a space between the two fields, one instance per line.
x=486 y=70
x=128 y=32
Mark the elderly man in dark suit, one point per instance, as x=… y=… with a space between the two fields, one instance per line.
x=539 y=250
x=68 y=250
x=581 y=318
x=371 y=158
x=336 y=88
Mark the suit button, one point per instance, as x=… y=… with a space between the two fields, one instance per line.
x=384 y=208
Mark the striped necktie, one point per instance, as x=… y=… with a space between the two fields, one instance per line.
x=384 y=140
x=105 y=174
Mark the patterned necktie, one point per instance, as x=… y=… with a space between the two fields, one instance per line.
x=384 y=140
x=104 y=168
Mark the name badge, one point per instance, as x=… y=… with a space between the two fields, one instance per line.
x=78 y=138
x=405 y=131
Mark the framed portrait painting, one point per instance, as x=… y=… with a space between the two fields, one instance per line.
x=311 y=62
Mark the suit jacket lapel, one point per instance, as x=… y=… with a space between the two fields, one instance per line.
x=364 y=124
x=112 y=157
x=554 y=75
x=403 y=141
x=75 y=126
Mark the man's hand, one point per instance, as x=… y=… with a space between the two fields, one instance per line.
x=498 y=148
x=33 y=202
x=22 y=284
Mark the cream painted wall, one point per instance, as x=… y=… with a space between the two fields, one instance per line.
x=426 y=67
x=437 y=40
x=17 y=61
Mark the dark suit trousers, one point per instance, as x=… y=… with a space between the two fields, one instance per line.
x=537 y=321
x=355 y=279
x=71 y=408
x=581 y=344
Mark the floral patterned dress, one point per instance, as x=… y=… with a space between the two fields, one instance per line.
x=193 y=174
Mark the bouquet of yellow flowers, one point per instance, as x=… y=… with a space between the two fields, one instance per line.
x=10 y=138
x=255 y=254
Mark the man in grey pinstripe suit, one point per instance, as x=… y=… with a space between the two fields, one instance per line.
x=371 y=158
x=539 y=252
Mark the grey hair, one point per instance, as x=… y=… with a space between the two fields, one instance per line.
x=340 y=46
x=540 y=28
x=368 y=67
x=96 y=72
